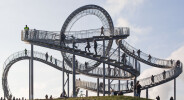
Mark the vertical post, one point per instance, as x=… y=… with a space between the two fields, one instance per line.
x=127 y=85
x=97 y=86
x=147 y=93
x=135 y=81
x=86 y=93
x=175 y=89
x=31 y=75
x=63 y=75
x=103 y=68
x=109 y=81
x=74 y=95
x=68 y=84
x=119 y=59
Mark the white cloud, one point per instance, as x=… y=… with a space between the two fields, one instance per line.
x=114 y=7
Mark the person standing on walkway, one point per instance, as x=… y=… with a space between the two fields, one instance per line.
x=152 y=79
x=131 y=84
x=164 y=74
x=46 y=56
x=158 y=98
x=25 y=52
x=63 y=37
x=149 y=58
x=123 y=58
x=88 y=46
x=138 y=87
x=102 y=31
x=138 y=52
x=171 y=98
x=26 y=29
x=95 y=47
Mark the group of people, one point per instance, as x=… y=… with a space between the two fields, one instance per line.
x=46 y=58
x=158 y=98
x=88 y=46
x=46 y=97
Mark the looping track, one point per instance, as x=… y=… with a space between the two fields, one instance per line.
x=120 y=70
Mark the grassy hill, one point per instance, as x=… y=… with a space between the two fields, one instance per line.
x=106 y=98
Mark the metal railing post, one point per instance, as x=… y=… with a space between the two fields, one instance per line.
x=63 y=75
x=74 y=94
x=97 y=86
x=175 y=89
x=68 y=84
x=147 y=93
x=119 y=59
x=31 y=75
x=103 y=68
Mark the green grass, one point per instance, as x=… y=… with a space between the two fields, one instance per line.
x=106 y=98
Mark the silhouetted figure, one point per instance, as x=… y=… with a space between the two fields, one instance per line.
x=46 y=96
x=13 y=98
x=63 y=94
x=158 y=98
x=95 y=47
x=164 y=74
x=138 y=88
x=131 y=84
x=149 y=58
x=86 y=65
x=138 y=52
x=1 y=98
x=76 y=64
x=123 y=58
x=51 y=97
x=133 y=52
x=25 y=52
x=26 y=29
x=46 y=56
x=88 y=46
x=171 y=98
x=79 y=79
x=152 y=79
x=34 y=34
x=178 y=63
x=51 y=58
x=56 y=62
x=101 y=86
x=63 y=37
x=102 y=31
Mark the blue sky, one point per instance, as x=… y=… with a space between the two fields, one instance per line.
x=156 y=28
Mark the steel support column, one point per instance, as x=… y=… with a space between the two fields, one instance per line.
x=147 y=93
x=68 y=75
x=98 y=87
x=135 y=81
x=175 y=89
x=109 y=81
x=31 y=75
x=63 y=75
x=103 y=68
x=73 y=65
x=119 y=60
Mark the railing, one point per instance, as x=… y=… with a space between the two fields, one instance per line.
x=145 y=83
x=37 y=55
x=55 y=35
x=144 y=56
